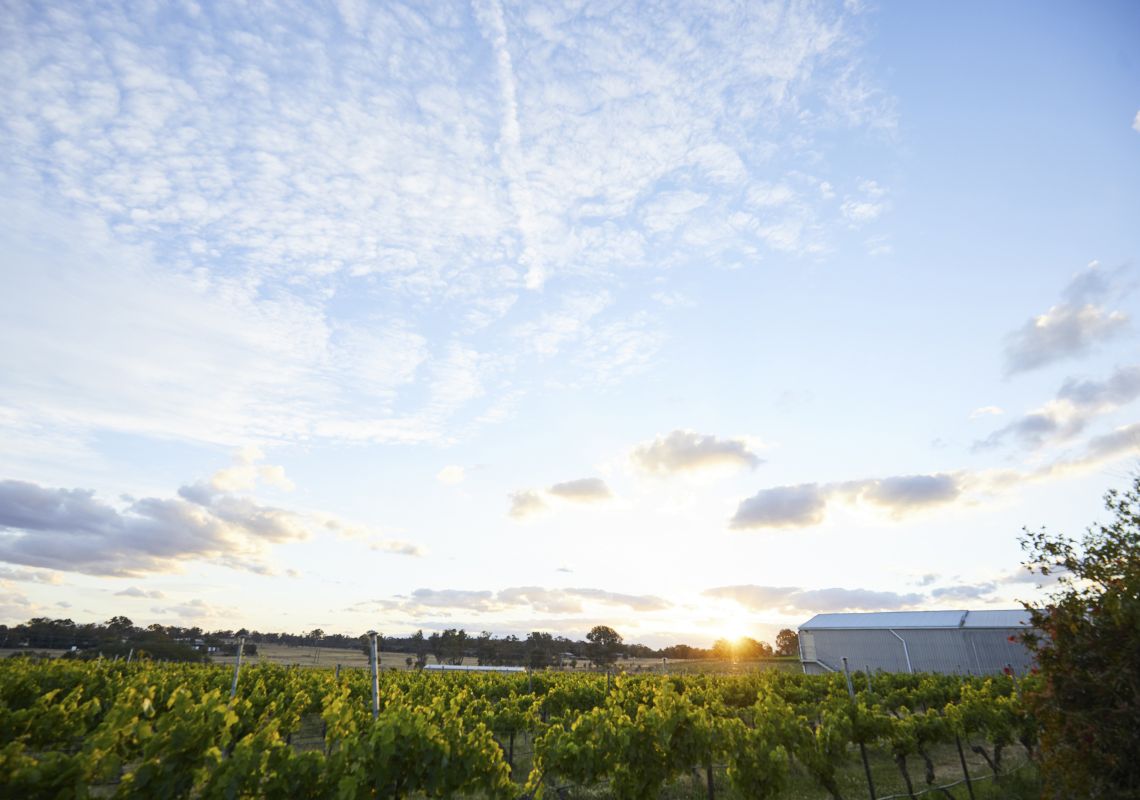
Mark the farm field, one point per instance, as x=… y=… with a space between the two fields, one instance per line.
x=144 y=730
x=326 y=657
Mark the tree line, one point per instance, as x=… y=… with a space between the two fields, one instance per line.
x=602 y=645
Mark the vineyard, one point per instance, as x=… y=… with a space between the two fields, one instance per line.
x=112 y=729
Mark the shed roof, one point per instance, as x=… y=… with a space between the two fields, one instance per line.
x=881 y=620
x=1001 y=618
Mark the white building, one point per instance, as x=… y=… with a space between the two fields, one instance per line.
x=954 y=642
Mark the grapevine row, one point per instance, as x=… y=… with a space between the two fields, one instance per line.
x=134 y=730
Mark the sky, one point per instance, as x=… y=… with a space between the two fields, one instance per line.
x=694 y=320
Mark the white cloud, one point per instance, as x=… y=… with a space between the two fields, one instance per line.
x=28 y=576
x=867 y=206
x=806 y=504
x=1078 y=402
x=397 y=547
x=986 y=411
x=670 y=209
x=526 y=503
x=791 y=599
x=964 y=592
x=197 y=610
x=1136 y=122
x=534 y=599
x=766 y=195
x=134 y=591
x=906 y=492
x=582 y=490
x=375 y=541
x=616 y=350
x=15 y=605
x=1068 y=329
x=861 y=211
x=531 y=502
x=244 y=474
x=1124 y=440
x=553 y=330
x=490 y=16
x=782 y=507
x=237 y=251
x=1061 y=332
x=71 y=530
x=686 y=450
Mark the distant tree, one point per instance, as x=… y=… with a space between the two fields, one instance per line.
x=419 y=646
x=452 y=645
x=787 y=643
x=539 y=650
x=639 y=651
x=723 y=650
x=605 y=644
x=485 y=649
x=1086 y=638
x=511 y=650
x=436 y=646
x=750 y=649
x=120 y=626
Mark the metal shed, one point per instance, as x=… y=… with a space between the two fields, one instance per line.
x=962 y=642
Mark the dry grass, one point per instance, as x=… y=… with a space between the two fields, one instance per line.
x=8 y=652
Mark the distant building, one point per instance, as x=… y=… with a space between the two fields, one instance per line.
x=949 y=642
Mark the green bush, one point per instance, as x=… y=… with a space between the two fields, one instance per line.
x=1087 y=644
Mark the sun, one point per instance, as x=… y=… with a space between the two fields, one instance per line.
x=734 y=628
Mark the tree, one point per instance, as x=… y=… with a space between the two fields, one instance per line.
x=722 y=650
x=420 y=648
x=539 y=650
x=605 y=644
x=1086 y=638
x=748 y=648
x=485 y=649
x=787 y=642
x=452 y=644
x=120 y=626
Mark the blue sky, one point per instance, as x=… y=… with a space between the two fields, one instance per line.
x=691 y=320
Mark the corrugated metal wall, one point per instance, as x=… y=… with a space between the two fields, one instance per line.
x=946 y=650
x=993 y=647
